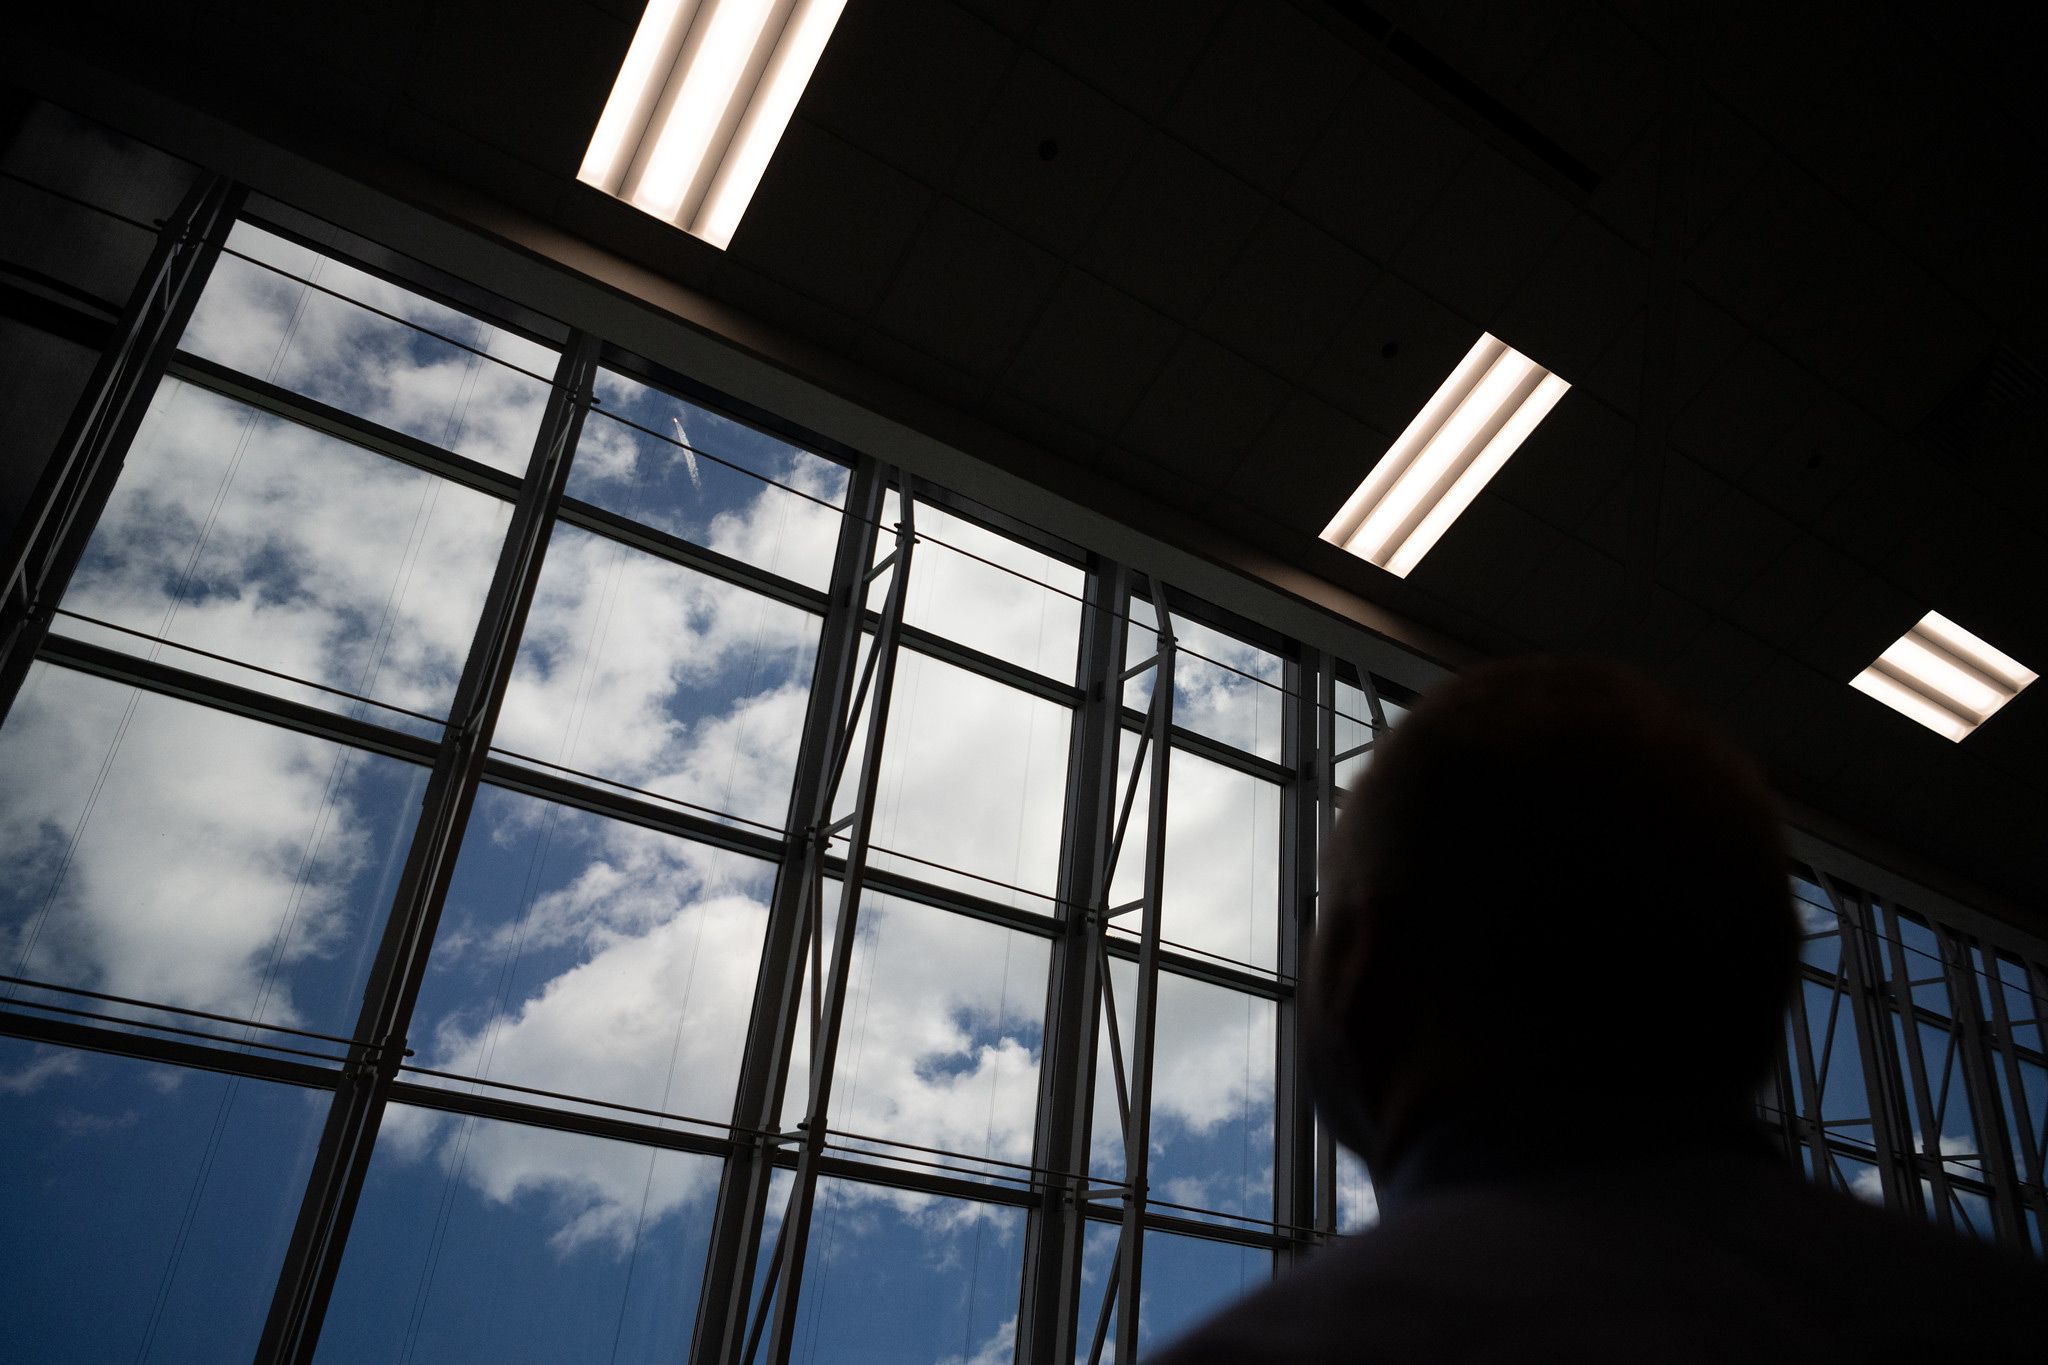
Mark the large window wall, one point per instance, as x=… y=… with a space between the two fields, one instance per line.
x=509 y=854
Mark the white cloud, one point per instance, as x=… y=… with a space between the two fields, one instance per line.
x=340 y=566
x=998 y=1348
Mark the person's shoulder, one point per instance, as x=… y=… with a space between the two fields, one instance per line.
x=1729 y=1261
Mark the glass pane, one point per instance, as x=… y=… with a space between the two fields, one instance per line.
x=1222 y=888
x=1358 y=1206
x=1837 y=1065
x=645 y=673
x=894 y=1276
x=271 y=311
x=1098 y=1269
x=158 y=849
x=1222 y=687
x=1353 y=726
x=1819 y=926
x=1916 y=957
x=594 y=958
x=1212 y=1095
x=973 y=782
x=263 y=540
x=2024 y=1010
x=147 y=1207
x=770 y=512
x=1187 y=1279
x=941 y=1036
x=1860 y=1178
x=1027 y=611
x=483 y=1240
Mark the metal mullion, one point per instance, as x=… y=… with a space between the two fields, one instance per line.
x=1970 y=1034
x=1219 y=753
x=1890 y=1134
x=1294 y=1138
x=526 y=1113
x=1138 y=1136
x=903 y=886
x=1905 y=1032
x=673 y=549
x=313 y=1258
x=300 y=410
x=971 y=660
x=1049 y=1315
x=1244 y=981
x=563 y=790
x=1810 y=1127
x=1325 y=775
x=1267 y=1241
x=841 y=1167
x=796 y=1222
x=51 y=536
x=2030 y=1148
x=132 y=670
x=152 y=1048
x=724 y=1301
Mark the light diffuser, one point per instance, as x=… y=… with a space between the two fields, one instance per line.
x=702 y=98
x=1460 y=439
x=1944 y=677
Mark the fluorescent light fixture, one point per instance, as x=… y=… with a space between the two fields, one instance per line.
x=1944 y=677
x=1459 y=440
x=704 y=94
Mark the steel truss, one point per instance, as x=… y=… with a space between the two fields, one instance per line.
x=803 y=978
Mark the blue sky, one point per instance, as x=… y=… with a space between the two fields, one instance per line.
x=161 y=849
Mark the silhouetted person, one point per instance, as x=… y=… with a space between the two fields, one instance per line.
x=1555 y=953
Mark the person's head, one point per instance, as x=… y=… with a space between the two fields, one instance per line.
x=1557 y=897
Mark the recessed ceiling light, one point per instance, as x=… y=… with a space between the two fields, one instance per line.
x=702 y=98
x=1944 y=677
x=1459 y=440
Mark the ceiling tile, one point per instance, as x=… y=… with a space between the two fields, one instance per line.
x=1396 y=351
x=1384 y=158
x=1660 y=629
x=1053 y=199
x=1577 y=300
x=1569 y=600
x=522 y=88
x=1173 y=227
x=1757 y=221
x=968 y=289
x=1596 y=88
x=1135 y=51
x=1488 y=553
x=1791 y=594
x=1861 y=625
x=1203 y=411
x=1306 y=462
x=1721 y=663
x=1495 y=46
x=1889 y=334
x=1478 y=242
x=1033 y=425
x=1094 y=350
x=1011 y=16
x=1574 y=456
x=1286 y=294
x=830 y=219
x=1260 y=95
x=878 y=86
x=1711 y=539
